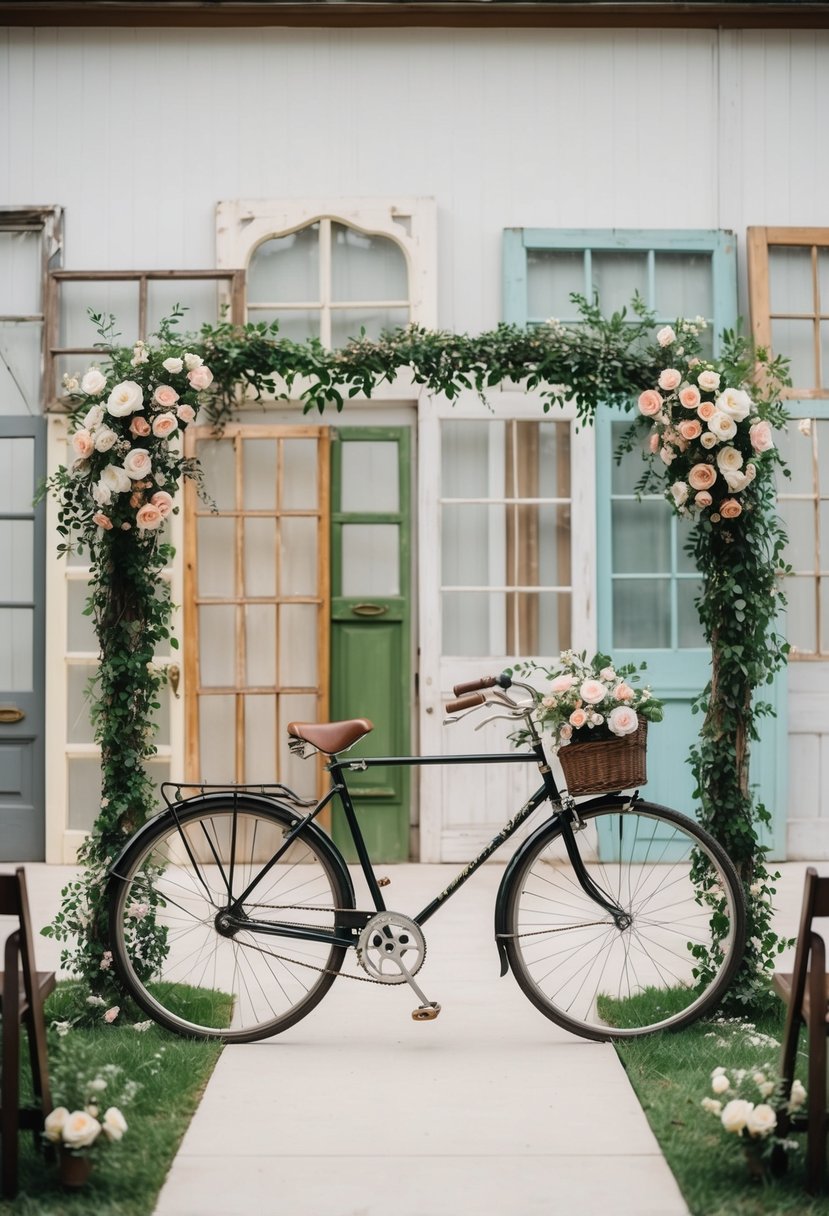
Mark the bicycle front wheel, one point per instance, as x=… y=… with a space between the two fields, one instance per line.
x=177 y=956
x=665 y=963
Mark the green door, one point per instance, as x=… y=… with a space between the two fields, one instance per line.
x=371 y=664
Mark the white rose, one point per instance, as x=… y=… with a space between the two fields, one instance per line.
x=729 y=458
x=734 y=403
x=137 y=463
x=736 y=480
x=720 y=1084
x=708 y=440
x=93 y=382
x=711 y=1105
x=94 y=417
x=623 y=721
x=191 y=361
x=173 y=365
x=116 y=479
x=805 y=426
x=105 y=439
x=114 y=1124
x=761 y=1120
x=708 y=381
x=80 y=1129
x=667 y=455
x=125 y=398
x=53 y=1124
x=680 y=492
x=666 y=336
x=102 y=494
x=735 y=1114
x=766 y=1089
x=722 y=426
x=797 y=1096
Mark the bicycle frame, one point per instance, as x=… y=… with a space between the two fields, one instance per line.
x=348 y=934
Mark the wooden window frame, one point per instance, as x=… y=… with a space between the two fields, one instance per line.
x=48 y=221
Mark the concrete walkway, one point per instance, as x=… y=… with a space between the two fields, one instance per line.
x=359 y=1111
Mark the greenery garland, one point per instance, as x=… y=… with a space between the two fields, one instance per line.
x=602 y=360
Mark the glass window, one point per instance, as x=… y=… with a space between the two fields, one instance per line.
x=804 y=506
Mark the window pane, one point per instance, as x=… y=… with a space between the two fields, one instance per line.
x=346 y=323
x=365 y=267
x=684 y=562
x=120 y=298
x=627 y=472
x=617 y=276
x=84 y=791
x=217 y=625
x=293 y=770
x=299 y=475
x=17 y=560
x=801 y=614
x=298 y=645
x=796 y=341
x=260 y=739
x=20 y=273
x=297 y=324
x=501 y=624
x=798 y=452
x=286 y=268
x=298 y=556
x=20 y=356
x=260 y=473
x=641 y=537
x=16 y=654
x=78 y=703
x=472 y=547
x=465 y=457
x=800 y=525
x=370 y=476
x=468 y=620
x=552 y=277
x=642 y=613
x=80 y=631
x=17 y=475
x=684 y=285
x=790 y=279
x=216 y=457
x=260 y=556
x=217 y=738
x=370 y=560
x=689 y=629
x=260 y=645
x=217 y=555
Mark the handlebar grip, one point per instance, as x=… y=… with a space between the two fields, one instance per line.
x=468 y=702
x=474 y=685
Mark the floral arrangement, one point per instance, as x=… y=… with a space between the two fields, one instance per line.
x=708 y=433
x=744 y=1104
x=591 y=700
x=87 y=1116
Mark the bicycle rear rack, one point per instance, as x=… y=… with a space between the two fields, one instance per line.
x=181 y=791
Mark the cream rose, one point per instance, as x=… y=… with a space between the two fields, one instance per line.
x=592 y=691
x=114 y=1124
x=730 y=508
x=101 y=494
x=679 y=490
x=607 y=673
x=623 y=720
x=561 y=683
x=761 y=1120
x=125 y=398
x=666 y=336
x=709 y=381
x=702 y=476
x=729 y=458
x=623 y=692
x=667 y=455
x=116 y=479
x=200 y=377
x=186 y=413
x=105 y=439
x=83 y=444
x=708 y=440
x=653 y=442
x=138 y=464
x=669 y=379
x=173 y=366
x=80 y=1130
x=797 y=1096
x=650 y=403
x=711 y=1105
x=191 y=361
x=148 y=517
x=93 y=382
x=53 y=1124
x=736 y=480
x=735 y=1114
x=720 y=1083
x=722 y=426
x=165 y=396
x=734 y=403
x=163 y=501
x=164 y=425
x=761 y=437
x=94 y=417
x=689 y=397
x=577 y=718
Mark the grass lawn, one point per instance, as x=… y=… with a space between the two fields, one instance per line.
x=127 y=1176
x=671 y=1073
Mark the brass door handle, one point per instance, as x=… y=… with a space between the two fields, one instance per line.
x=174 y=677
x=10 y=714
x=369 y=609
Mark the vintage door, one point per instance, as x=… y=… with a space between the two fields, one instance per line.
x=22 y=558
x=371 y=662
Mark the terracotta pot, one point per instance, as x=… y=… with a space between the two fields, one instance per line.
x=74 y=1170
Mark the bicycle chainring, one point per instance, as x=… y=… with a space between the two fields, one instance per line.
x=390 y=945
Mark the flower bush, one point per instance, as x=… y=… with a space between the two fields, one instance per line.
x=744 y=1103
x=86 y=1116
x=591 y=700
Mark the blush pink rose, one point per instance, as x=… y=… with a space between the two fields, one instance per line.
x=650 y=403
x=710 y=381
x=690 y=397
x=578 y=718
x=103 y=521
x=623 y=720
x=163 y=501
x=139 y=427
x=164 y=425
x=623 y=692
x=706 y=410
x=200 y=377
x=149 y=517
x=730 y=508
x=561 y=683
x=84 y=445
x=761 y=437
x=690 y=429
x=653 y=443
x=137 y=463
x=186 y=413
x=112 y=1014
x=592 y=691
x=703 y=499
x=669 y=379
x=702 y=476
x=165 y=396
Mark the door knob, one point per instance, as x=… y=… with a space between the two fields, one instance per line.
x=174 y=677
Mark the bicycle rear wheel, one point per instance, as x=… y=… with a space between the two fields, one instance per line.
x=675 y=959
x=170 y=947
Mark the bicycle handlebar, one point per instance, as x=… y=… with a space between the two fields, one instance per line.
x=471 y=700
x=503 y=681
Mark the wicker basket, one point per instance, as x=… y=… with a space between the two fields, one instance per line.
x=608 y=764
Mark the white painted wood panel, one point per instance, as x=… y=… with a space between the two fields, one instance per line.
x=808 y=818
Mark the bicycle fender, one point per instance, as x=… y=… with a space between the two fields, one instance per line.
x=502 y=899
x=252 y=801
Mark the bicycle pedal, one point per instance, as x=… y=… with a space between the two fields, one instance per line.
x=426 y=1013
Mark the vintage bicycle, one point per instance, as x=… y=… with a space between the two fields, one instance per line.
x=231 y=912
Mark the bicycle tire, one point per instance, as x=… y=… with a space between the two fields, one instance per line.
x=177 y=876
x=604 y=982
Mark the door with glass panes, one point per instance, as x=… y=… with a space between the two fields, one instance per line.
x=646 y=583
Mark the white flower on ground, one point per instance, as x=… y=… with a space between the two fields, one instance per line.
x=80 y=1129
x=114 y=1124
x=112 y=1014
x=735 y=1114
x=53 y=1123
x=712 y=1106
x=720 y=1084
x=761 y=1121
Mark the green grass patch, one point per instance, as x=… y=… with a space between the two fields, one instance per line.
x=671 y=1074
x=127 y=1176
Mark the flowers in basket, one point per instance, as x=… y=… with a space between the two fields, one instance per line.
x=745 y=1105
x=707 y=433
x=592 y=700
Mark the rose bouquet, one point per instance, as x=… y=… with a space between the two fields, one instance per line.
x=90 y=1097
x=745 y=1105
x=591 y=700
x=708 y=434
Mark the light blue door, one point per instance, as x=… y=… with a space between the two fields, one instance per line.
x=646 y=582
